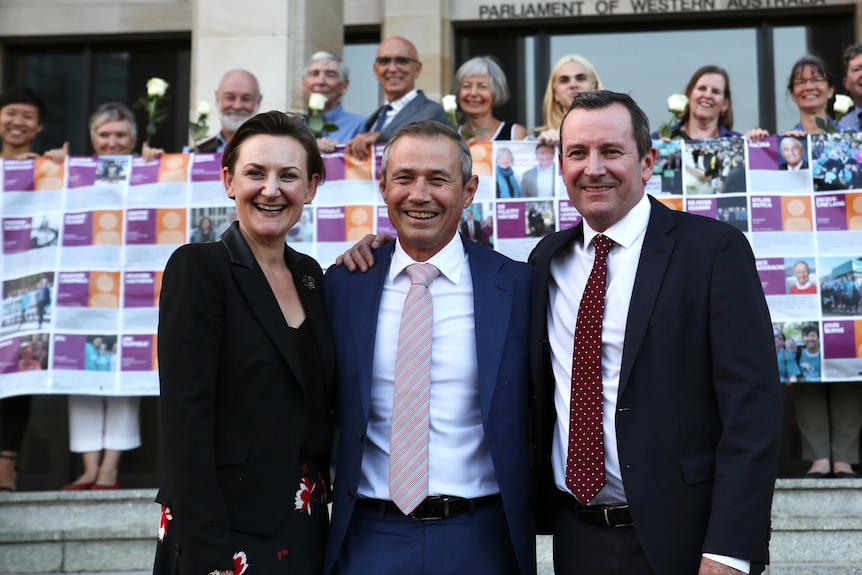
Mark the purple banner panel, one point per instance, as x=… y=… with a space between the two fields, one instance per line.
x=16 y=235
x=771 y=272
x=19 y=175
x=384 y=224
x=82 y=171
x=331 y=224
x=207 y=167
x=9 y=355
x=334 y=164
x=831 y=213
x=78 y=229
x=140 y=289
x=763 y=155
x=140 y=227
x=511 y=220
x=707 y=207
x=144 y=172
x=68 y=351
x=569 y=215
x=839 y=342
x=138 y=353
x=73 y=289
x=766 y=214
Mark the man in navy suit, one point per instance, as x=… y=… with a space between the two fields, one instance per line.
x=397 y=68
x=477 y=511
x=689 y=390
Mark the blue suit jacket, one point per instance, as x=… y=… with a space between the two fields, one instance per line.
x=699 y=402
x=501 y=291
x=419 y=108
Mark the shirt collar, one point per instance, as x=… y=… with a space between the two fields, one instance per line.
x=449 y=260
x=398 y=104
x=628 y=229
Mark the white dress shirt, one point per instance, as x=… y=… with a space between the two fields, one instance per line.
x=398 y=105
x=459 y=460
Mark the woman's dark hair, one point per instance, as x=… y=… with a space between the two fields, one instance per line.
x=275 y=123
x=810 y=61
x=23 y=95
x=726 y=117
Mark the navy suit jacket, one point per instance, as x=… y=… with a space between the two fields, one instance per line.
x=234 y=396
x=419 y=108
x=501 y=290
x=699 y=403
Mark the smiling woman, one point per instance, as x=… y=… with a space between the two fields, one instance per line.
x=709 y=112
x=482 y=86
x=246 y=424
x=22 y=115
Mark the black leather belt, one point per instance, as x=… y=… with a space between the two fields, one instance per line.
x=601 y=515
x=436 y=507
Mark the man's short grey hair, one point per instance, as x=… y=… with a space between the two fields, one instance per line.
x=430 y=129
x=343 y=70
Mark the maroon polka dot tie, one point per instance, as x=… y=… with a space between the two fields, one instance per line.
x=585 y=465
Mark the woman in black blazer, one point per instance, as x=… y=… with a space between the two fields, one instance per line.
x=246 y=368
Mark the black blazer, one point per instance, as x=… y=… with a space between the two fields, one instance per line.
x=699 y=403
x=233 y=396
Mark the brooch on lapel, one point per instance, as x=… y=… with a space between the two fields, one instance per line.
x=309 y=283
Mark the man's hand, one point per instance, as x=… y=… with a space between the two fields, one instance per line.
x=360 y=146
x=360 y=256
x=710 y=567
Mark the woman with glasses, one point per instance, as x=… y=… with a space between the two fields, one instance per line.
x=811 y=88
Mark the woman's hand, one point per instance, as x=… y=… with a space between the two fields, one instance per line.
x=756 y=134
x=550 y=137
x=149 y=154
x=58 y=155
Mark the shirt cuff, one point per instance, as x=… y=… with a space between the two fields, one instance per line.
x=738 y=564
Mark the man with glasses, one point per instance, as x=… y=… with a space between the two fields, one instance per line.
x=396 y=67
x=237 y=99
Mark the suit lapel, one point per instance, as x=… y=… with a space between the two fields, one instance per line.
x=655 y=255
x=261 y=301
x=365 y=292
x=492 y=306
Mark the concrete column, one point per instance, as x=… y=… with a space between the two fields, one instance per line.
x=270 y=38
x=427 y=24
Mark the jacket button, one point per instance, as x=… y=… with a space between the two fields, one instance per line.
x=350 y=494
x=361 y=437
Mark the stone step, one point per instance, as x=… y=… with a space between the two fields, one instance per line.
x=817 y=530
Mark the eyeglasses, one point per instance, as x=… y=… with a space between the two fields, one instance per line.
x=815 y=81
x=400 y=61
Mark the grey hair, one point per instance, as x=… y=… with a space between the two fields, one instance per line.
x=343 y=70
x=429 y=129
x=485 y=66
x=113 y=112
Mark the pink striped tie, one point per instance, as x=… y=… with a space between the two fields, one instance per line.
x=408 y=457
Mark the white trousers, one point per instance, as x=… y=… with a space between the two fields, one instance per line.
x=97 y=423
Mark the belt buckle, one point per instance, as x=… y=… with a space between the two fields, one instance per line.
x=607 y=517
x=443 y=500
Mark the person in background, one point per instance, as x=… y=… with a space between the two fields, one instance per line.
x=113 y=131
x=247 y=425
x=811 y=88
x=237 y=99
x=326 y=74
x=22 y=116
x=481 y=86
x=507 y=183
x=793 y=153
x=397 y=68
x=204 y=232
x=829 y=415
x=709 y=112
x=570 y=76
x=788 y=369
x=472 y=229
x=539 y=180
x=852 y=60
x=803 y=284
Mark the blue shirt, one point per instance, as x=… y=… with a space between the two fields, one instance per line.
x=723 y=131
x=838 y=127
x=851 y=120
x=349 y=125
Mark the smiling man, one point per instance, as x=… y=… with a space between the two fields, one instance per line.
x=441 y=396
x=666 y=450
x=237 y=99
x=328 y=75
x=397 y=68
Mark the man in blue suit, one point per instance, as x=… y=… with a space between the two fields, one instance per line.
x=476 y=515
x=397 y=68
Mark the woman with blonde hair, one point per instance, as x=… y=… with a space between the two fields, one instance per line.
x=571 y=75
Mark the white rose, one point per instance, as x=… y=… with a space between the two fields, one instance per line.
x=842 y=104
x=450 y=103
x=156 y=87
x=204 y=108
x=676 y=103
x=316 y=102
